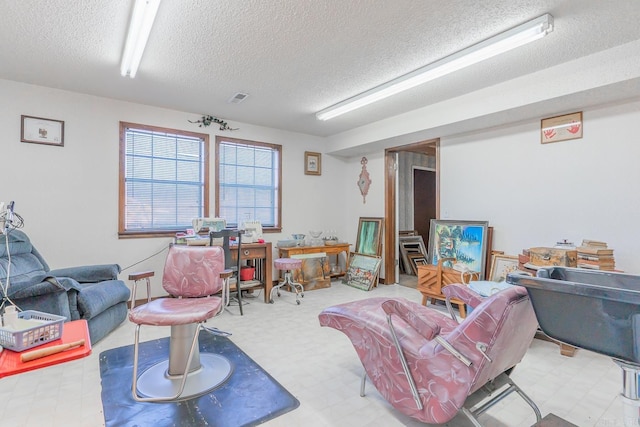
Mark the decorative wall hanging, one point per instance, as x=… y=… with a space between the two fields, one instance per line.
x=312 y=163
x=364 y=182
x=561 y=128
x=207 y=120
x=42 y=131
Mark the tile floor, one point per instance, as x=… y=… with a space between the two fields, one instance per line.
x=319 y=366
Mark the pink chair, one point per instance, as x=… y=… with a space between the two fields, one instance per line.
x=428 y=366
x=192 y=276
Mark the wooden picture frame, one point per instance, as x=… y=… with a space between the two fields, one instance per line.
x=416 y=259
x=312 y=163
x=38 y=130
x=561 y=128
x=369 y=239
x=410 y=245
x=501 y=265
x=362 y=272
x=466 y=241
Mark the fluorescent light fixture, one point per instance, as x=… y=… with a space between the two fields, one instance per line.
x=503 y=42
x=144 y=13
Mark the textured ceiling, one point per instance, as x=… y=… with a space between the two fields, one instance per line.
x=292 y=57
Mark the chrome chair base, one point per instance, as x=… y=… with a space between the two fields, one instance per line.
x=156 y=382
x=166 y=381
x=288 y=281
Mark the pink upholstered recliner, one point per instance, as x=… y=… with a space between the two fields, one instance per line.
x=192 y=277
x=428 y=366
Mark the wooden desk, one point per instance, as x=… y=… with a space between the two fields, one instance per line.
x=328 y=249
x=260 y=256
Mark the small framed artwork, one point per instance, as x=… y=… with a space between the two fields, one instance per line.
x=37 y=130
x=312 y=163
x=501 y=265
x=561 y=128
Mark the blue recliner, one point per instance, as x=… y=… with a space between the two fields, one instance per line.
x=92 y=292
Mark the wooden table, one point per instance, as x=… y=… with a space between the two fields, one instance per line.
x=308 y=250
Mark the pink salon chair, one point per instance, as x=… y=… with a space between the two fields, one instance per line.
x=428 y=366
x=192 y=277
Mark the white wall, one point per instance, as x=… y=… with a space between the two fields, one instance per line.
x=536 y=195
x=533 y=194
x=68 y=196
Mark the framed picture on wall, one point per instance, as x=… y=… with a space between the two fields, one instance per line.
x=312 y=163
x=561 y=128
x=37 y=130
x=466 y=241
x=369 y=239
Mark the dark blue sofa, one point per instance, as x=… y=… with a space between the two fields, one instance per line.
x=92 y=292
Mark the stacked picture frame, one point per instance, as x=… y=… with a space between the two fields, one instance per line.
x=413 y=253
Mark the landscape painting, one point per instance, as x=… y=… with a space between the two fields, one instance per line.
x=466 y=241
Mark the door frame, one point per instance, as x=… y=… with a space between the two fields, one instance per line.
x=431 y=147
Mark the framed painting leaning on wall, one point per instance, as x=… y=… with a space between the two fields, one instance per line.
x=466 y=241
x=369 y=240
x=363 y=271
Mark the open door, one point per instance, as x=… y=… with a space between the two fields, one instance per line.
x=424 y=201
x=430 y=148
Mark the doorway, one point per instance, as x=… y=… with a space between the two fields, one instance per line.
x=424 y=196
x=394 y=190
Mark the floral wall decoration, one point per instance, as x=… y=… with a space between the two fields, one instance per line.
x=207 y=120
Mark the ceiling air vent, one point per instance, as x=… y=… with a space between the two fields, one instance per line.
x=238 y=98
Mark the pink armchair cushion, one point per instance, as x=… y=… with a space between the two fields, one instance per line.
x=505 y=322
x=193 y=271
x=175 y=311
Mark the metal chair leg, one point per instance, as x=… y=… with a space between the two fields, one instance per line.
x=134 y=386
x=288 y=280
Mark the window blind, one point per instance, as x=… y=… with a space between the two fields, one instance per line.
x=248 y=181
x=164 y=180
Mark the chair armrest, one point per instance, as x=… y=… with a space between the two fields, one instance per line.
x=89 y=273
x=141 y=275
x=463 y=293
x=30 y=290
x=425 y=328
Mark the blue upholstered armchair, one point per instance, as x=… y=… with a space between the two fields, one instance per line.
x=93 y=292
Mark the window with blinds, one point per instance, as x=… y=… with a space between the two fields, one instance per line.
x=248 y=178
x=163 y=179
